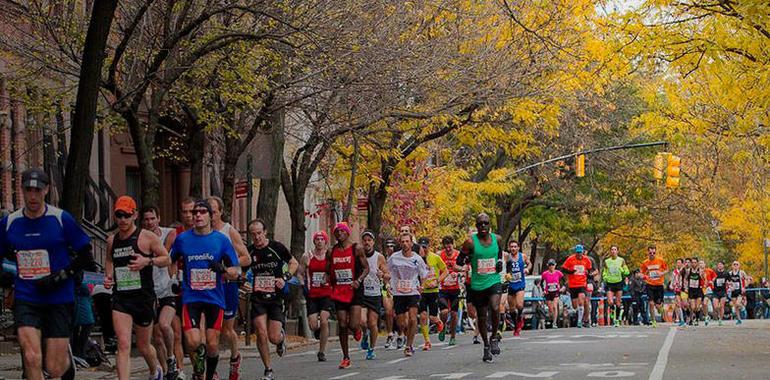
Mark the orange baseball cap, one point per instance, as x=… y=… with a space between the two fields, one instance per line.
x=125 y=204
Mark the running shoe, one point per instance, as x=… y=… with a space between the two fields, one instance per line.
x=452 y=341
x=181 y=376
x=487 y=358
x=365 y=341
x=280 y=349
x=476 y=339
x=317 y=334
x=268 y=375
x=389 y=341
x=408 y=352
x=498 y=336
x=400 y=342
x=235 y=368
x=519 y=326
x=370 y=354
x=706 y=322
x=682 y=323
x=173 y=372
x=440 y=327
x=199 y=364
x=321 y=357
x=738 y=322
x=358 y=335
x=654 y=323
x=494 y=347
x=158 y=374
x=427 y=346
x=441 y=335
x=345 y=363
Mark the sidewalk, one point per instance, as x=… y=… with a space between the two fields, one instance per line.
x=10 y=365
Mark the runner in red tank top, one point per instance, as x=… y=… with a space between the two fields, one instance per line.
x=348 y=268
x=314 y=268
x=449 y=293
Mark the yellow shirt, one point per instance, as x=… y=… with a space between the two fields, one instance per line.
x=435 y=266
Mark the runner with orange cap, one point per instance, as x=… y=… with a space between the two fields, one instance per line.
x=133 y=252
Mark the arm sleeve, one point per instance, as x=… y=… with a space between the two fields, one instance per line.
x=76 y=237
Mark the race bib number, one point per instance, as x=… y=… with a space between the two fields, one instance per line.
x=615 y=271
x=33 y=264
x=736 y=285
x=720 y=282
x=371 y=287
x=127 y=279
x=654 y=275
x=202 y=279
x=515 y=276
x=344 y=276
x=450 y=279
x=405 y=286
x=694 y=283
x=485 y=266
x=580 y=270
x=264 y=284
x=553 y=287
x=318 y=280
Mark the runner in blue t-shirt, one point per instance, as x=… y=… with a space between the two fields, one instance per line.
x=208 y=256
x=40 y=239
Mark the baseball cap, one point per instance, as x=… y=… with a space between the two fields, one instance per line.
x=579 y=248
x=423 y=241
x=34 y=177
x=125 y=204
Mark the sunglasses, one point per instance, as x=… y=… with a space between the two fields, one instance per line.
x=200 y=211
x=482 y=223
x=552 y=264
x=123 y=215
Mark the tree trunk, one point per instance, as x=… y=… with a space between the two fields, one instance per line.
x=197 y=144
x=145 y=154
x=533 y=251
x=267 y=202
x=82 y=133
x=376 y=206
x=296 y=213
x=228 y=177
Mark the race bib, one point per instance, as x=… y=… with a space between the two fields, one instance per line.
x=202 y=279
x=344 y=276
x=614 y=271
x=654 y=275
x=405 y=286
x=127 y=279
x=553 y=287
x=371 y=287
x=450 y=279
x=485 y=266
x=694 y=283
x=264 y=284
x=33 y=264
x=736 y=285
x=318 y=280
x=580 y=270
x=720 y=282
x=515 y=276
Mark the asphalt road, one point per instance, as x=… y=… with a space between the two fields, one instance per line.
x=726 y=352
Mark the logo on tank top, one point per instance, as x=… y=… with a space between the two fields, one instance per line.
x=342 y=260
x=122 y=252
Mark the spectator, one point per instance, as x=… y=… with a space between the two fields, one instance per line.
x=568 y=312
x=627 y=301
x=639 y=296
x=103 y=304
x=84 y=318
x=539 y=316
x=751 y=299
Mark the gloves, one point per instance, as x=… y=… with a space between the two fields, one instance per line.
x=175 y=288
x=53 y=280
x=217 y=267
x=499 y=266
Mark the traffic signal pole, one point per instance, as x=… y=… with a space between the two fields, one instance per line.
x=591 y=151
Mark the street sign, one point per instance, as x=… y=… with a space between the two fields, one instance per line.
x=241 y=189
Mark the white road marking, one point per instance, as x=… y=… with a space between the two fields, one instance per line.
x=397 y=361
x=563 y=342
x=449 y=347
x=499 y=375
x=299 y=354
x=611 y=374
x=344 y=376
x=660 y=364
x=456 y=375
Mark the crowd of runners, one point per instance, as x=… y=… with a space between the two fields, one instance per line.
x=176 y=290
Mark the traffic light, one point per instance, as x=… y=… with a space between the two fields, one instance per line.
x=659 y=163
x=673 y=171
x=580 y=165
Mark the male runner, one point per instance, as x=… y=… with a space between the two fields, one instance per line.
x=371 y=302
x=694 y=279
x=232 y=299
x=654 y=270
x=737 y=288
x=437 y=272
x=132 y=254
x=721 y=280
x=388 y=247
x=518 y=268
x=407 y=272
x=485 y=255
x=449 y=294
x=677 y=286
x=166 y=305
x=577 y=267
x=552 y=279
x=268 y=258
x=313 y=267
x=349 y=267
x=615 y=270
x=208 y=257
x=39 y=239
x=186 y=219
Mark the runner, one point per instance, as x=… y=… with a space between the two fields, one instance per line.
x=166 y=305
x=207 y=257
x=407 y=272
x=371 y=303
x=187 y=221
x=577 y=267
x=694 y=280
x=449 y=293
x=653 y=271
x=313 y=267
x=552 y=279
x=676 y=286
x=518 y=268
x=268 y=258
x=232 y=298
x=708 y=292
x=349 y=268
x=721 y=281
x=429 y=299
x=38 y=239
x=132 y=254
x=387 y=298
x=615 y=270
x=737 y=288
x=485 y=256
